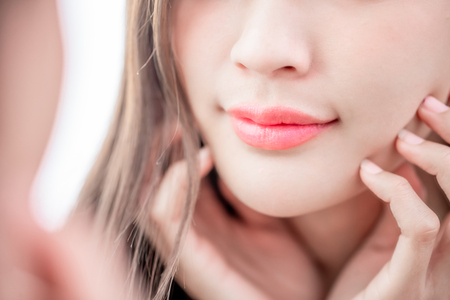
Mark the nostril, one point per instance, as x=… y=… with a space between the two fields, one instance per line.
x=241 y=66
x=289 y=68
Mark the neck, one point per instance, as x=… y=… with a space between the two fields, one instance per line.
x=332 y=235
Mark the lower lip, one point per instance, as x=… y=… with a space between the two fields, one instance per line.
x=275 y=137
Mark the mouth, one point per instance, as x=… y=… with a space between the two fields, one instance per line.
x=275 y=127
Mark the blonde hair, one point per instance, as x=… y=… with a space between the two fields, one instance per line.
x=139 y=148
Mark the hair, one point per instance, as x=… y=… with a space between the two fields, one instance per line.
x=140 y=147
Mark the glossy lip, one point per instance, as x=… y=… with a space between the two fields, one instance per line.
x=275 y=127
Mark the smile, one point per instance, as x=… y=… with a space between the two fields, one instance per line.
x=275 y=127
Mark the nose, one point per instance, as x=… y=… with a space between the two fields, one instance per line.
x=272 y=40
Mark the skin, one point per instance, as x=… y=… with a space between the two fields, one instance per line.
x=232 y=53
x=35 y=264
x=254 y=256
x=365 y=67
x=29 y=83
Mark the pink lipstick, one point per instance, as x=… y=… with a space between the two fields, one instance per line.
x=275 y=127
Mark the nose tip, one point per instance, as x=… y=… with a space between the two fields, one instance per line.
x=269 y=56
x=267 y=67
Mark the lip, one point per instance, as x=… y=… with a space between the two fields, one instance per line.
x=275 y=127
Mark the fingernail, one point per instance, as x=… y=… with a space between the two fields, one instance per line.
x=370 y=167
x=434 y=105
x=410 y=137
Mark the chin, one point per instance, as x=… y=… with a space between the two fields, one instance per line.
x=288 y=190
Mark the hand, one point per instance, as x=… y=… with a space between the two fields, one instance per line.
x=225 y=257
x=69 y=265
x=419 y=264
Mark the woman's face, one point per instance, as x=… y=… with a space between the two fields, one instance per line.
x=360 y=66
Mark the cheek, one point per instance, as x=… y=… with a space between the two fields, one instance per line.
x=199 y=50
x=385 y=72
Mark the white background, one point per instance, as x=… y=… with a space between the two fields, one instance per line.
x=93 y=34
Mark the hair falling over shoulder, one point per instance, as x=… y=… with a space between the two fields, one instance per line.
x=139 y=148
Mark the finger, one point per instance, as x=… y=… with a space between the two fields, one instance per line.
x=444 y=236
x=442 y=250
x=205 y=161
x=436 y=115
x=367 y=262
x=202 y=270
x=440 y=262
x=378 y=248
x=408 y=172
x=418 y=224
x=167 y=209
x=432 y=157
x=205 y=274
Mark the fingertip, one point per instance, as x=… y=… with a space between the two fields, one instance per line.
x=404 y=147
x=205 y=160
x=369 y=167
x=433 y=105
x=409 y=137
x=367 y=171
x=204 y=153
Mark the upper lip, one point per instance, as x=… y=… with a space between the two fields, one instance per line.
x=274 y=115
